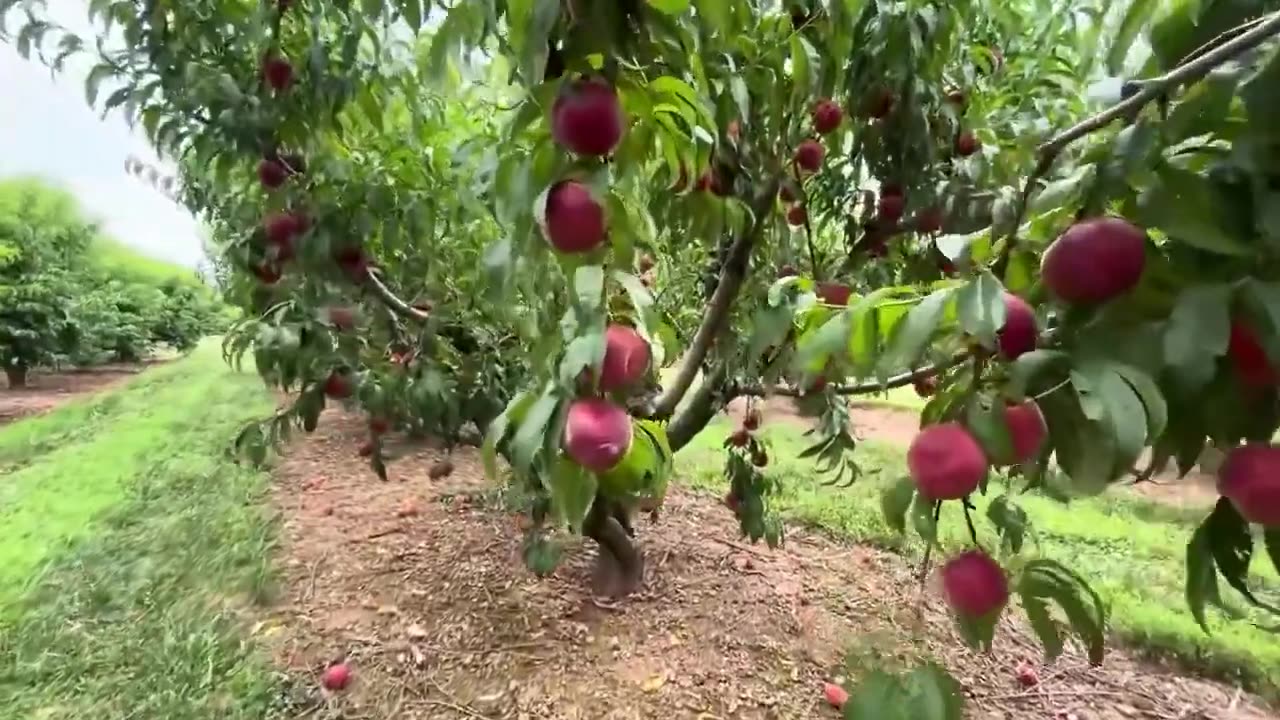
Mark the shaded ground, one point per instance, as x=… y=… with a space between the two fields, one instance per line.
x=421 y=587
x=899 y=426
x=47 y=390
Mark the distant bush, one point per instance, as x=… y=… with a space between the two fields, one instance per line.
x=69 y=295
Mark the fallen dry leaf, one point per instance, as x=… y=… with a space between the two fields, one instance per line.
x=654 y=683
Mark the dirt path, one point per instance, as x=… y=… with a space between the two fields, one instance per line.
x=898 y=427
x=46 y=391
x=425 y=593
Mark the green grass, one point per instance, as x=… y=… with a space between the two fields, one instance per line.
x=133 y=544
x=1129 y=548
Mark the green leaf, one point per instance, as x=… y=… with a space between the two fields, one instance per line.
x=1011 y=521
x=588 y=286
x=1197 y=333
x=1029 y=368
x=932 y=694
x=1085 y=449
x=1183 y=204
x=1135 y=19
x=1203 y=108
x=1152 y=399
x=989 y=427
x=94 y=79
x=573 y=490
x=584 y=351
x=1063 y=192
x=411 y=10
x=1259 y=95
x=878 y=696
x=1202 y=577
x=922 y=518
x=530 y=435
x=895 y=500
x=980 y=307
x=815 y=348
x=912 y=335
x=670 y=7
x=1085 y=611
x=1045 y=627
x=1232 y=546
x=1127 y=417
x=1271 y=539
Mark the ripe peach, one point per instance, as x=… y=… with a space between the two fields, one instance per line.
x=1249 y=358
x=1019 y=333
x=277 y=72
x=338 y=385
x=626 y=358
x=574 y=220
x=1249 y=477
x=1027 y=430
x=587 y=117
x=880 y=104
x=336 y=677
x=889 y=208
x=597 y=433
x=834 y=293
x=929 y=220
x=946 y=462
x=809 y=155
x=797 y=216
x=974 y=585
x=271 y=173
x=967 y=143
x=826 y=116
x=1094 y=261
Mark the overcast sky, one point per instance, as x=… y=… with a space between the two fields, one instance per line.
x=47 y=129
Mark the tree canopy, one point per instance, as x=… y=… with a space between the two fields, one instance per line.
x=1056 y=219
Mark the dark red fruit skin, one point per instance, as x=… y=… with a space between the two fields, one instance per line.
x=587 y=117
x=281 y=228
x=353 y=262
x=705 y=180
x=575 y=220
x=926 y=386
x=342 y=318
x=1250 y=478
x=957 y=97
x=809 y=155
x=786 y=194
x=732 y=501
x=277 y=72
x=759 y=459
x=338 y=386
x=1249 y=358
x=378 y=425
x=881 y=104
x=827 y=116
x=272 y=174
x=1019 y=334
x=834 y=293
x=930 y=220
x=890 y=207
x=1027 y=430
x=268 y=273
x=336 y=677
x=751 y=421
x=797 y=215
x=878 y=248
x=366 y=448
x=966 y=144
x=739 y=438
x=974 y=585
x=1094 y=261
x=892 y=187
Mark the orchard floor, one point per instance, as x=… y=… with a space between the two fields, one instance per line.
x=47 y=390
x=419 y=584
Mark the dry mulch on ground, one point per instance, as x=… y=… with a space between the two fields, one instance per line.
x=46 y=391
x=420 y=585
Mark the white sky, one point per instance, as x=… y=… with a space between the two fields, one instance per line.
x=47 y=129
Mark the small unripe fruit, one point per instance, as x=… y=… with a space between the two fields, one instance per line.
x=336 y=677
x=353 y=262
x=797 y=215
x=834 y=293
x=835 y=695
x=890 y=207
x=1027 y=676
x=809 y=155
x=826 y=116
x=272 y=174
x=343 y=318
x=1249 y=358
x=597 y=433
x=751 y=420
x=1094 y=261
x=926 y=386
x=974 y=585
x=946 y=462
x=759 y=458
x=739 y=438
x=277 y=72
x=1249 y=477
x=1019 y=333
x=966 y=143
x=281 y=228
x=626 y=358
x=786 y=194
x=268 y=273
x=1027 y=430
x=574 y=220
x=587 y=117
x=378 y=425
x=338 y=385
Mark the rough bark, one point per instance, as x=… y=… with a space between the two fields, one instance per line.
x=619 y=567
x=16 y=375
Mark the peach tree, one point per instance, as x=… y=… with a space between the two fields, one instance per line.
x=580 y=228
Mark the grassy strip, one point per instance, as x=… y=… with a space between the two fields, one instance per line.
x=154 y=540
x=1131 y=550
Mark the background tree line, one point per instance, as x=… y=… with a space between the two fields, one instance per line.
x=71 y=296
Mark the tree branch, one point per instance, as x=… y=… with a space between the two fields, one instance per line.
x=864 y=388
x=699 y=411
x=393 y=301
x=732 y=275
x=1199 y=63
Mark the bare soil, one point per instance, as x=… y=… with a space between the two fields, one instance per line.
x=419 y=585
x=47 y=390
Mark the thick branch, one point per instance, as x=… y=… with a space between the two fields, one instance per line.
x=393 y=301
x=698 y=412
x=732 y=276
x=864 y=388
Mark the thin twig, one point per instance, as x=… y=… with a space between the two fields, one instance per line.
x=393 y=301
x=864 y=388
x=1027 y=694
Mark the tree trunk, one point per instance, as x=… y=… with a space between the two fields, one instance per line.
x=700 y=410
x=17 y=376
x=619 y=567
